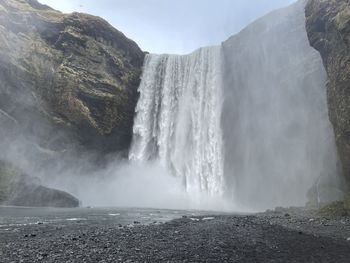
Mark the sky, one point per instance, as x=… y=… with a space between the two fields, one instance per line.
x=174 y=26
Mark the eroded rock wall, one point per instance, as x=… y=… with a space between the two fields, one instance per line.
x=66 y=79
x=328 y=27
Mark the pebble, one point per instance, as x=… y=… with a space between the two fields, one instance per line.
x=227 y=235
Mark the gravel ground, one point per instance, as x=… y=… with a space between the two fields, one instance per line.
x=268 y=237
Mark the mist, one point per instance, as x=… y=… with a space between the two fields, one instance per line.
x=269 y=87
x=174 y=131
x=124 y=184
x=239 y=126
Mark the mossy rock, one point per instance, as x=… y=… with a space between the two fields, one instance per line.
x=72 y=73
x=8 y=174
x=337 y=209
x=328 y=28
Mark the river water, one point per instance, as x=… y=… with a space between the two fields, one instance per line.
x=16 y=217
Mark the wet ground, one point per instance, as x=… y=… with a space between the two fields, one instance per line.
x=148 y=235
x=12 y=218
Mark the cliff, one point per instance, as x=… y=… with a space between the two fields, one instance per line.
x=17 y=188
x=278 y=138
x=66 y=80
x=68 y=91
x=328 y=28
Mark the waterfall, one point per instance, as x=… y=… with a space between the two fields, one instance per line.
x=178 y=118
x=278 y=138
x=246 y=121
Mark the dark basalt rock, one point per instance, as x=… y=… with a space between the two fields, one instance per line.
x=328 y=27
x=19 y=189
x=40 y=196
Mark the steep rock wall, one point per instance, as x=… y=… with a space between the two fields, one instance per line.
x=278 y=140
x=328 y=27
x=65 y=79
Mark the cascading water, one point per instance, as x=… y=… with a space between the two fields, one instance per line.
x=278 y=138
x=178 y=118
x=247 y=120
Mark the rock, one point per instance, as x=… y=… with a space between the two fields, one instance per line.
x=335 y=209
x=68 y=90
x=7 y=174
x=19 y=189
x=328 y=28
x=271 y=65
x=71 y=75
x=325 y=193
x=40 y=196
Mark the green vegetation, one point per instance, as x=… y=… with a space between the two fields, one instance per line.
x=7 y=175
x=339 y=208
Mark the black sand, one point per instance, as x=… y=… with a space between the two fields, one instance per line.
x=271 y=237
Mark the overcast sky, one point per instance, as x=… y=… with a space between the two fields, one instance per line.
x=174 y=26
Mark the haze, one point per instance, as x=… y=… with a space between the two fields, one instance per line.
x=178 y=27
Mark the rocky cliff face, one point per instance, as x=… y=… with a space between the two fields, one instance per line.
x=65 y=79
x=17 y=188
x=328 y=27
x=68 y=90
x=275 y=122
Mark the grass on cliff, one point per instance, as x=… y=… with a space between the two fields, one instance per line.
x=337 y=209
x=8 y=173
